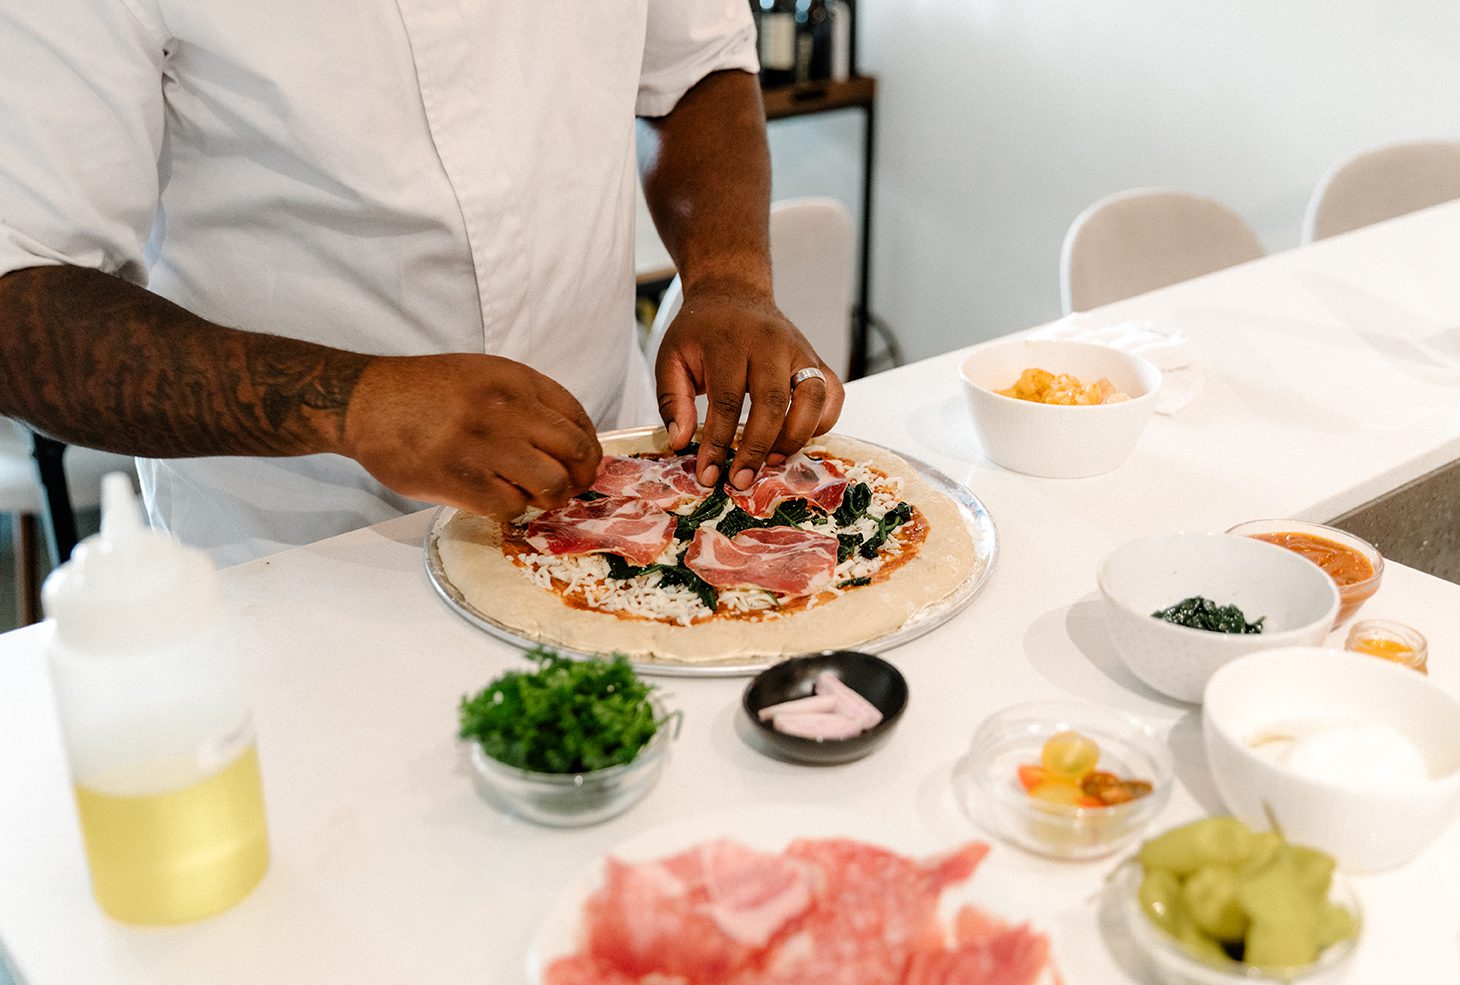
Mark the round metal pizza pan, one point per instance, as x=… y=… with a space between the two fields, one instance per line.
x=975 y=517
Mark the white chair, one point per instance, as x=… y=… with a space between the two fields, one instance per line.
x=812 y=260
x=20 y=497
x=1147 y=238
x=1382 y=183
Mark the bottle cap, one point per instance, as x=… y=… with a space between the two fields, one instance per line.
x=130 y=588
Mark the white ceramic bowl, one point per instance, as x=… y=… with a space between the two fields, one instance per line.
x=1049 y=440
x=1364 y=829
x=1297 y=600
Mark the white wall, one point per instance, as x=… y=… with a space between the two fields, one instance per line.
x=999 y=120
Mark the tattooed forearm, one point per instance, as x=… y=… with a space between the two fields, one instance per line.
x=97 y=361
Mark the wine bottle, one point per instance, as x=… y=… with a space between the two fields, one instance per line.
x=777 y=22
x=813 y=41
x=841 y=40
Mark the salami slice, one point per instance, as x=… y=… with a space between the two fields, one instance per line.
x=785 y=560
x=820 y=483
x=988 y=952
x=703 y=914
x=824 y=912
x=876 y=909
x=633 y=528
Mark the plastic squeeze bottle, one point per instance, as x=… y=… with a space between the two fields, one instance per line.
x=160 y=742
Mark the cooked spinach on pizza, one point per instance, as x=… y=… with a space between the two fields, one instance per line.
x=840 y=544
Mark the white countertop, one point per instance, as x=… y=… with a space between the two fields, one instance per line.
x=1332 y=374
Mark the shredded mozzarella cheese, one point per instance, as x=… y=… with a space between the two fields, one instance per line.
x=585 y=576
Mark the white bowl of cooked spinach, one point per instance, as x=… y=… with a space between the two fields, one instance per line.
x=568 y=743
x=1180 y=606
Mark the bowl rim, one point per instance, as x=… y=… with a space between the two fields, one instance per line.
x=669 y=722
x=1221 y=639
x=889 y=718
x=1161 y=947
x=1006 y=794
x=1151 y=374
x=1372 y=553
x=1219 y=724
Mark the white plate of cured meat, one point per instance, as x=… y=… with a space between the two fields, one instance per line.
x=739 y=897
x=971 y=511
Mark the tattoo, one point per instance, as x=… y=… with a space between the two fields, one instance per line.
x=94 y=360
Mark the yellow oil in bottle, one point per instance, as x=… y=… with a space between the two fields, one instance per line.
x=180 y=855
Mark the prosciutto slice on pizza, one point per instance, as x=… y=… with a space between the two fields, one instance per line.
x=785 y=560
x=633 y=528
x=819 y=482
x=668 y=483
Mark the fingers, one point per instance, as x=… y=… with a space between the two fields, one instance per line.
x=726 y=396
x=770 y=392
x=831 y=408
x=676 y=400
x=579 y=446
x=542 y=479
x=575 y=450
x=809 y=401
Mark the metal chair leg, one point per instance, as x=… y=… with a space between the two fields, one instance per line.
x=57 y=517
x=27 y=585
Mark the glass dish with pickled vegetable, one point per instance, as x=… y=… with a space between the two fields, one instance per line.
x=1065 y=779
x=1213 y=903
x=569 y=743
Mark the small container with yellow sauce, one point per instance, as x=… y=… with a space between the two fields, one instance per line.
x=1389 y=640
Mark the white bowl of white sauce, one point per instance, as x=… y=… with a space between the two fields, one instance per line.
x=1353 y=755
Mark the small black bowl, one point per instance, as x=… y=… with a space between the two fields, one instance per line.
x=872 y=677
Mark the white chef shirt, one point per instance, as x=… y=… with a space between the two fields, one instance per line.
x=389 y=176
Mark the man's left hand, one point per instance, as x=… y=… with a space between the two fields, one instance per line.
x=728 y=343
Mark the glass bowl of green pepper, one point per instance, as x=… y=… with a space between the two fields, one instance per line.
x=1180 y=606
x=571 y=743
x=1216 y=903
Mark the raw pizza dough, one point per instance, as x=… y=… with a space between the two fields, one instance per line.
x=470 y=551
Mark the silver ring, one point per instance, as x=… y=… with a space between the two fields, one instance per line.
x=809 y=373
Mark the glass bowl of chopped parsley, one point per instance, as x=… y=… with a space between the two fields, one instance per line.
x=569 y=742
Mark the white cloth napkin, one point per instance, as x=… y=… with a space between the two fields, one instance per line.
x=1169 y=350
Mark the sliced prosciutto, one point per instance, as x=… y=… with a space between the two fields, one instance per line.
x=668 y=483
x=785 y=560
x=798 y=477
x=633 y=528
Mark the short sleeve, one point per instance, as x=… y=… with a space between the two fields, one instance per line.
x=81 y=120
x=686 y=41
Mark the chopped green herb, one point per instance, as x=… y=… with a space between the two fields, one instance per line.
x=1202 y=613
x=854 y=583
x=847 y=545
x=566 y=716
x=589 y=495
x=888 y=522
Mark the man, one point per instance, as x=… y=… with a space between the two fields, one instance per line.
x=447 y=186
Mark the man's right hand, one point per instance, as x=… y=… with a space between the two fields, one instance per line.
x=482 y=433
